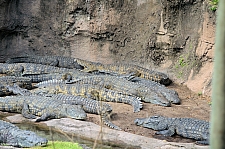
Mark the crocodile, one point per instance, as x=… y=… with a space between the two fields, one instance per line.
x=169 y=94
x=22 y=82
x=11 y=135
x=20 y=69
x=68 y=76
x=120 y=68
x=127 y=87
x=11 y=69
x=57 y=61
x=6 y=81
x=186 y=127
x=96 y=92
x=45 y=107
x=15 y=89
x=89 y=105
x=36 y=78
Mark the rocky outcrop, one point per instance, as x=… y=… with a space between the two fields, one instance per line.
x=200 y=82
x=176 y=37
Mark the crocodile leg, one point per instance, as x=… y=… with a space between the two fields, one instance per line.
x=68 y=77
x=110 y=124
x=128 y=76
x=18 y=90
x=54 y=63
x=26 y=112
x=17 y=72
x=45 y=116
x=205 y=142
x=167 y=133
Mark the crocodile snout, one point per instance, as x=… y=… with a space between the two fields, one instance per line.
x=44 y=142
x=138 y=121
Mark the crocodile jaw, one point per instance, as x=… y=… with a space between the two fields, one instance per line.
x=153 y=122
x=159 y=101
x=76 y=112
x=29 y=139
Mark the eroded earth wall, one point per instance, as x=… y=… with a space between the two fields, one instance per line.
x=176 y=37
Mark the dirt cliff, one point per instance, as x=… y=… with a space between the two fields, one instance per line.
x=175 y=37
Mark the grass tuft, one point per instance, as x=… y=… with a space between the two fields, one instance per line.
x=59 y=145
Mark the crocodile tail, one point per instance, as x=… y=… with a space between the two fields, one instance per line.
x=133 y=100
x=49 y=83
x=108 y=123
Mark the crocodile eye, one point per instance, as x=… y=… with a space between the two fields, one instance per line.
x=156 y=116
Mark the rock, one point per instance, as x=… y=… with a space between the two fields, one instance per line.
x=18 y=118
x=92 y=131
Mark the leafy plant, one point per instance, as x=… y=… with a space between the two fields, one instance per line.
x=182 y=63
x=199 y=93
x=213 y=4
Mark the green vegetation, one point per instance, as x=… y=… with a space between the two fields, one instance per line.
x=199 y=93
x=210 y=103
x=213 y=4
x=180 y=74
x=60 y=145
x=181 y=63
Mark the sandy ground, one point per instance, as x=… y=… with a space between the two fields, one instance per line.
x=192 y=105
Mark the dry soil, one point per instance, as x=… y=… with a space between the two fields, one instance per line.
x=192 y=105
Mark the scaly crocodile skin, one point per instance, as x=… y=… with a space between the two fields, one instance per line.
x=58 y=61
x=185 y=127
x=45 y=107
x=11 y=135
